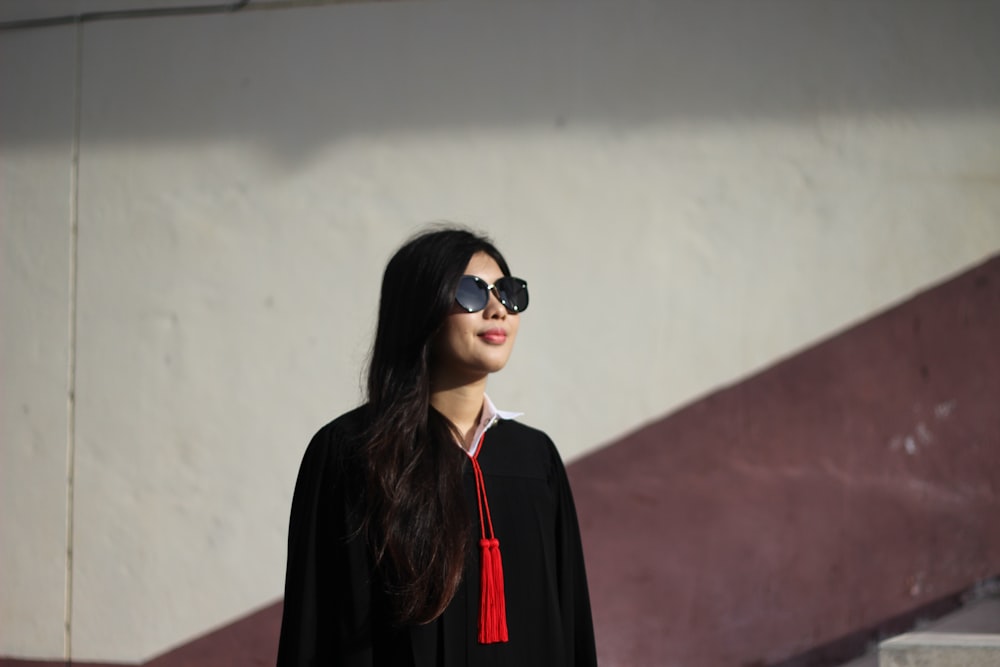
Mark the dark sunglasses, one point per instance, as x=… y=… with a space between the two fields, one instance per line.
x=473 y=293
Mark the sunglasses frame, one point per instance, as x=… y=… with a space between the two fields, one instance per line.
x=487 y=289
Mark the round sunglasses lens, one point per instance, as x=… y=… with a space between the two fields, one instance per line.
x=471 y=294
x=513 y=293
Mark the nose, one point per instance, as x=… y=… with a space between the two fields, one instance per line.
x=494 y=308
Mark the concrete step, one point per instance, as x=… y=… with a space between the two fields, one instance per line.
x=978 y=617
x=940 y=649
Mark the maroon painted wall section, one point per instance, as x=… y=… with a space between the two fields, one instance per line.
x=849 y=484
x=853 y=483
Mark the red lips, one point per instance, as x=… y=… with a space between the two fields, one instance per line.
x=494 y=336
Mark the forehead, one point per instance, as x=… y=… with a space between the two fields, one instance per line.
x=484 y=266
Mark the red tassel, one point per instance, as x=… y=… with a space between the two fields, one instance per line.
x=492 y=604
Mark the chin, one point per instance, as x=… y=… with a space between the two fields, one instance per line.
x=493 y=365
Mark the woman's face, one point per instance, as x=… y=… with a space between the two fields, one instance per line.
x=471 y=345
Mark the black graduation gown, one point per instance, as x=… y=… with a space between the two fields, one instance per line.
x=334 y=610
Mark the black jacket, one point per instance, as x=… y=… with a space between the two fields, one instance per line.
x=334 y=612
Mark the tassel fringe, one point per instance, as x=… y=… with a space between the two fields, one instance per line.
x=492 y=604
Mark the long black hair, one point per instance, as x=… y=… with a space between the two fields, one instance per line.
x=417 y=521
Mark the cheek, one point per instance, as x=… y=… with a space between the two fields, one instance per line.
x=453 y=335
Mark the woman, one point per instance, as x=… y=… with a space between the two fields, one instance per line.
x=427 y=527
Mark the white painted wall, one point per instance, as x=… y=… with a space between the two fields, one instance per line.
x=36 y=99
x=693 y=190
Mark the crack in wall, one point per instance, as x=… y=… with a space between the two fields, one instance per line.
x=74 y=223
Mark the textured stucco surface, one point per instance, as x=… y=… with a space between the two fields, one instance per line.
x=36 y=71
x=693 y=190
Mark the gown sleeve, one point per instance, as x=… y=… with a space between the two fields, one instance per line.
x=574 y=601
x=326 y=618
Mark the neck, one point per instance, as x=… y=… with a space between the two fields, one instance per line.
x=462 y=405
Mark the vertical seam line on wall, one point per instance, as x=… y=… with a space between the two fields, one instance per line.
x=74 y=222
